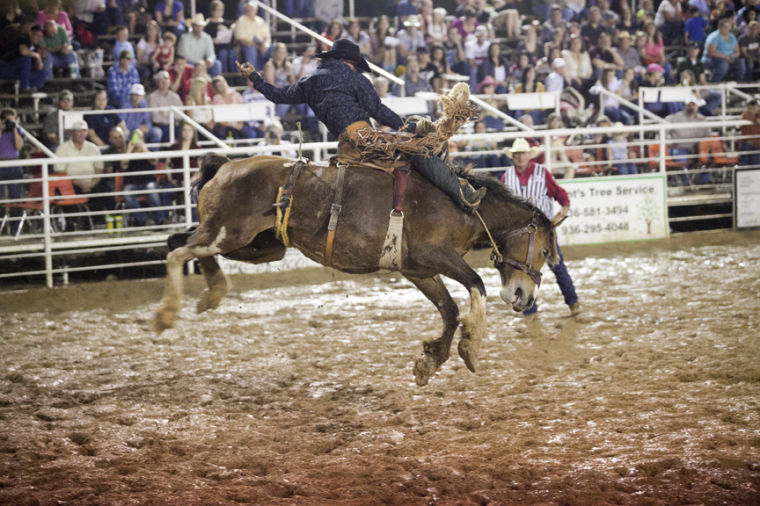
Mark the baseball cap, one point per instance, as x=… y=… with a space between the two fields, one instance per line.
x=653 y=67
x=162 y=75
x=558 y=62
x=80 y=125
x=137 y=89
x=65 y=94
x=125 y=54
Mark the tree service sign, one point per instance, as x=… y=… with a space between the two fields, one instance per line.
x=624 y=208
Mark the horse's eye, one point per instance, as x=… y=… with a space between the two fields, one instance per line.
x=545 y=252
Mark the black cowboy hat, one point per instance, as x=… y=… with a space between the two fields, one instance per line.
x=344 y=49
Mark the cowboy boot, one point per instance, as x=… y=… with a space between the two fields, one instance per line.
x=470 y=196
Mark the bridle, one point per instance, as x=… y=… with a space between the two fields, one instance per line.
x=527 y=266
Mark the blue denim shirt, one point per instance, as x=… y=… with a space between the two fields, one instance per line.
x=338 y=96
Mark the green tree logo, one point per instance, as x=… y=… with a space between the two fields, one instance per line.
x=648 y=211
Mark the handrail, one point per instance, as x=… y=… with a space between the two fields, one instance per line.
x=198 y=126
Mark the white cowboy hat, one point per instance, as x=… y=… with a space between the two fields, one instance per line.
x=521 y=146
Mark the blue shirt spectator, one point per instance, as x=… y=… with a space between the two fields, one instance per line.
x=721 y=53
x=139 y=120
x=695 y=27
x=121 y=77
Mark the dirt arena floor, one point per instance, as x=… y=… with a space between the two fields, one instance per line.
x=299 y=390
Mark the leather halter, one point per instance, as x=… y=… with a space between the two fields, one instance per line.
x=527 y=267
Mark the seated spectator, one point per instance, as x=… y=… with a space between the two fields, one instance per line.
x=749 y=45
x=378 y=31
x=579 y=70
x=197 y=46
x=410 y=38
x=530 y=45
x=435 y=31
x=508 y=16
x=555 y=81
x=164 y=98
x=303 y=66
x=147 y=46
x=139 y=120
x=251 y=34
x=278 y=72
x=136 y=15
x=325 y=11
x=629 y=90
x=89 y=17
x=121 y=77
x=488 y=118
x=50 y=124
x=198 y=97
x=381 y=86
x=710 y=99
x=684 y=141
x=558 y=153
x=413 y=81
x=199 y=70
x=221 y=34
x=466 y=23
x=751 y=135
x=439 y=66
x=84 y=175
x=654 y=49
x=117 y=145
x=355 y=34
x=612 y=108
x=669 y=20
x=100 y=125
x=273 y=137
x=170 y=15
x=628 y=53
x=226 y=96
x=137 y=182
x=555 y=21
x=54 y=12
x=593 y=27
x=653 y=78
x=333 y=32
x=122 y=44
x=163 y=57
x=529 y=84
x=722 y=54
x=618 y=153
x=180 y=75
x=253 y=128
x=695 y=27
x=11 y=143
x=20 y=58
x=476 y=50
x=454 y=49
x=187 y=140
x=60 y=52
x=628 y=23
x=604 y=57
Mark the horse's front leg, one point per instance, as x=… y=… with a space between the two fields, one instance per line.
x=435 y=352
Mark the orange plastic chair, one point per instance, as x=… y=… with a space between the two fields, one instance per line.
x=654 y=155
x=65 y=188
x=713 y=149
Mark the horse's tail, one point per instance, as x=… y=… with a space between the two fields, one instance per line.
x=210 y=164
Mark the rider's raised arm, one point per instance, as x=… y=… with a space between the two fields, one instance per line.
x=293 y=94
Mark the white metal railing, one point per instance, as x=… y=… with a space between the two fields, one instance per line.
x=49 y=246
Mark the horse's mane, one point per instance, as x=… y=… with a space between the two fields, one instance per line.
x=499 y=191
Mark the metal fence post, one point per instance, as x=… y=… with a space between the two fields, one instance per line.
x=186 y=189
x=46 y=228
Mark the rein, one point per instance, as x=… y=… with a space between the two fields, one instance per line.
x=527 y=266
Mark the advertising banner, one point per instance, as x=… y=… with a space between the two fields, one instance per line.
x=626 y=208
x=747 y=201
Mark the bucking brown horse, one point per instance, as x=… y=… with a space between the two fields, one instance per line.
x=237 y=219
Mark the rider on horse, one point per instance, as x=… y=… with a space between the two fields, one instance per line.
x=344 y=100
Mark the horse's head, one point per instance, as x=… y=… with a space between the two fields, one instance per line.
x=523 y=253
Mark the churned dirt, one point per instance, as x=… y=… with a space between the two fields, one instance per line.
x=299 y=389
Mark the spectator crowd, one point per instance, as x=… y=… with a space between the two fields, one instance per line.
x=597 y=54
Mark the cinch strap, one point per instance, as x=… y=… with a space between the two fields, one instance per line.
x=334 y=213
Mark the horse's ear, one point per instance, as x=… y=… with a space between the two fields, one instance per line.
x=558 y=219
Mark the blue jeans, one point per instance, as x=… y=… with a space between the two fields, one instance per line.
x=675 y=153
x=151 y=199
x=720 y=69
x=564 y=281
x=251 y=54
x=626 y=168
x=752 y=158
x=21 y=68
x=59 y=60
x=226 y=57
x=616 y=114
x=15 y=190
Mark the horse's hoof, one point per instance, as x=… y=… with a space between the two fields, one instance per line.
x=424 y=368
x=203 y=304
x=468 y=353
x=162 y=321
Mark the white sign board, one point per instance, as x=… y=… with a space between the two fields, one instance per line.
x=747 y=200
x=623 y=208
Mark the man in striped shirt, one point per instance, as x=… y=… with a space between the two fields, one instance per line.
x=535 y=183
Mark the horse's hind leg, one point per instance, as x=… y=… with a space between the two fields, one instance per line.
x=435 y=352
x=217 y=284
